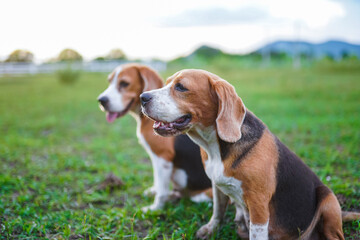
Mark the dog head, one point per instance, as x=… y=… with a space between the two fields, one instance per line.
x=195 y=99
x=126 y=83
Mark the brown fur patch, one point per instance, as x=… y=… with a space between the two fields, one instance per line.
x=331 y=217
x=204 y=156
x=258 y=176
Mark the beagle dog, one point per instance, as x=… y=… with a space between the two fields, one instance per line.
x=276 y=195
x=175 y=159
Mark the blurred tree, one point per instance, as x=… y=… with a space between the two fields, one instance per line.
x=116 y=54
x=99 y=59
x=20 y=55
x=69 y=55
x=51 y=60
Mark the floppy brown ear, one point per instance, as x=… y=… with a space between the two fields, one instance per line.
x=231 y=112
x=150 y=78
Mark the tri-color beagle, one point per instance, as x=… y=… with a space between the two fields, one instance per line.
x=177 y=159
x=276 y=195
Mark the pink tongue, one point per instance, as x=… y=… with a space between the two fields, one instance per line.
x=110 y=116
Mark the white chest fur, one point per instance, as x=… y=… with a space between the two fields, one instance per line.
x=228 y=185
x=214 y=166
x=140 y=137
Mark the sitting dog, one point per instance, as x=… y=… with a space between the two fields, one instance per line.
x=177 y=159
x=276 y=195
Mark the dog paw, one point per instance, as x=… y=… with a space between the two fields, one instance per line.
x=174 y=195
x=242 y=230
x=205 y=231
x=151 y=208
x=151 y=191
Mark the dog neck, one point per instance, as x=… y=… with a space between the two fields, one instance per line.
x=206 y=138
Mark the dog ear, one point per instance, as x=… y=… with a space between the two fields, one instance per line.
x=231 y=111
x=151 y=79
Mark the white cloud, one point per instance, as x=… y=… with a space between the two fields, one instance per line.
x=313 y=13
x=214 y=16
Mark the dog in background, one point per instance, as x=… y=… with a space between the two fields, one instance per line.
x=276 y=195
x=175 y=159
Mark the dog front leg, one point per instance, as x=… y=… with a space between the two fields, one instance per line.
x=259 y=220
x=162 y=176
x=151 y=191
x=220 y=201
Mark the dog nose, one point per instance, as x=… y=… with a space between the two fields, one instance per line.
x=103 y=101
x=145 y=98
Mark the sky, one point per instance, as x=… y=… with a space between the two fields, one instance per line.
x=166 y=29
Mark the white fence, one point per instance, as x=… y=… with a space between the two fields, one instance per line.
x=93 y=66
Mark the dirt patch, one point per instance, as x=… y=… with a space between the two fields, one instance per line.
x=111 y=182
x=76 y=236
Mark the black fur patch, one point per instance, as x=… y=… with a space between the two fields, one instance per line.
x=252 y=130
x=295 y=198
x=187 y=157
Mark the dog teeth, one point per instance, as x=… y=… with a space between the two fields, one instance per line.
x=156 y=124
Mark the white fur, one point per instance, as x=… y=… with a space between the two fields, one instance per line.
x=214 y=167
x=180 y=178
x=162 y=170
x=201 y=197
x=115 y=97
x=163 y=105
x=259 y=231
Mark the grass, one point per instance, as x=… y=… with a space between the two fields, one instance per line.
x=56 y=148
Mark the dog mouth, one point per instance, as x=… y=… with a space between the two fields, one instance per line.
x=112 y=116
x=172 y=128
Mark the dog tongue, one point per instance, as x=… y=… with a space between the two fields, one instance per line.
x=111 y=116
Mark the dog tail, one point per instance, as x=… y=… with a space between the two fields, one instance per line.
x=329 y=211
x=350 y=216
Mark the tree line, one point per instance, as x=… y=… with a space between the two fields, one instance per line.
x=66 y=55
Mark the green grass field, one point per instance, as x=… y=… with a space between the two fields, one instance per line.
x=56 y=149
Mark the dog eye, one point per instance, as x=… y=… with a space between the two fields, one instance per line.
x=179 y=87
x=123 y=84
